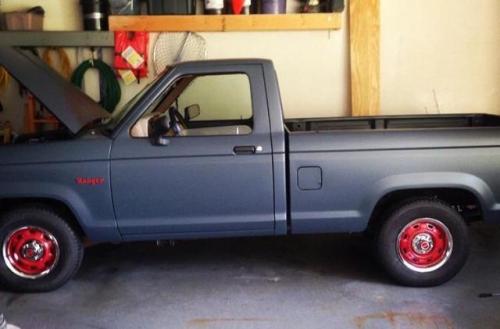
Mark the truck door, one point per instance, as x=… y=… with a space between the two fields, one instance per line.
x=211 y=174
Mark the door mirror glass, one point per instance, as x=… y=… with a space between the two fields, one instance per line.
x=192 y=111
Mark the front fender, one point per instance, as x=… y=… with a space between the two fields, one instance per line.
x=90 y=204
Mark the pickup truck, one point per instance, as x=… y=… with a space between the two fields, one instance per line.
x=204 y=152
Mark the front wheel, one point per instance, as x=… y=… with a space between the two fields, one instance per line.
x=423 y=243
x=39 y=250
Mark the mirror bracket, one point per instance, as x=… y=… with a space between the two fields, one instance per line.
x=162 y=141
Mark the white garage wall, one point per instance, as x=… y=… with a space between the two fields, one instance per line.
x=440 y=56
x=437 y=56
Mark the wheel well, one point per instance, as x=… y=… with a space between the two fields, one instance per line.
x=55 y=205
x=463 y=201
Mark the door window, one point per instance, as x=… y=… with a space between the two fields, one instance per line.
x=209 y=105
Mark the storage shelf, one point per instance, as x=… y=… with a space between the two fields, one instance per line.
x=226 y=23
x=57 y=38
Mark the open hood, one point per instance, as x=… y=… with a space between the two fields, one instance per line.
x=65 y=101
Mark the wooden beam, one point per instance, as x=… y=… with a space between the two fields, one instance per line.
x=226 y=23
x=364 y=16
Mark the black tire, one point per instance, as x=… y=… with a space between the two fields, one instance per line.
x=409 y=256
x=67 y=250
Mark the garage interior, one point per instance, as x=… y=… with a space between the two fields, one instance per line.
x=369 y=57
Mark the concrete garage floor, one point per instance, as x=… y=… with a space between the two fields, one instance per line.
x=300 y=282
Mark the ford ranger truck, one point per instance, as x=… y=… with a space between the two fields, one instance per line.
x=204 y=152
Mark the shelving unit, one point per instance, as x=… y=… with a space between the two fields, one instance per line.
x=364 y=41
x=227 y=23
x=57 y=39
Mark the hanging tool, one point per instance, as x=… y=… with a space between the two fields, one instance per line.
x=4 y=82
x=64 y=63
x=7 y=132
x=4 y=79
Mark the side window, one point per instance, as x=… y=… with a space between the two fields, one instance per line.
x=207 y=105
x=220 y=97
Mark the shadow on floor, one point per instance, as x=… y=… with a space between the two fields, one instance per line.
x=340 y=256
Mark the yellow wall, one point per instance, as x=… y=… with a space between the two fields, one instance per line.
x=440 y=56
x=437 y=56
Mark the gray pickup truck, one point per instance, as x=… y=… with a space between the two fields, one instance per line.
x=204 y=152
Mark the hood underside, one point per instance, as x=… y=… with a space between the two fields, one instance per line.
x=65 y=101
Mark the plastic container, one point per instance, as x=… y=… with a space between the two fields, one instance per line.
x=336 y=6
x=23 y=21
x=214 y=7
x=125 y=7
x=231 y=7
x=272 y=6
x=95 y=14
x=247 y=4
x=172 y=7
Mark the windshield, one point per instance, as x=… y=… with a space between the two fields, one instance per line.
x=112 y=121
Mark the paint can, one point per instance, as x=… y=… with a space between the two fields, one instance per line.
x=172 y=7
x=272 y=6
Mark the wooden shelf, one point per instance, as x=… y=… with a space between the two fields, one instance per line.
x=57 y=39
x=226 y=23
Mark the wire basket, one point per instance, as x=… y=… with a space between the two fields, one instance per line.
x=172 y=48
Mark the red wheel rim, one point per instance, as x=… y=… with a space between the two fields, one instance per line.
x=424 y=245
x=30 y=252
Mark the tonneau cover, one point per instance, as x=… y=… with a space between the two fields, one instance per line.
x=68 y=103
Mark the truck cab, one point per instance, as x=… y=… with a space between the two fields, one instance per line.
x=201 y=137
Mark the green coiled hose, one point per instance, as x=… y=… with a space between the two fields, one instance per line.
x=110 y=90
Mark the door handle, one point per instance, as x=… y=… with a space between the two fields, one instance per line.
x=242 y=150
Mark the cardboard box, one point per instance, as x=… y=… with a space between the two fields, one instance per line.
x=23 y=21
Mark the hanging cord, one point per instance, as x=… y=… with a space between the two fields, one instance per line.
x=65 y=66
x=4 y=79
x=112 y=95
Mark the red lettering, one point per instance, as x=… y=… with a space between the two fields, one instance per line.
x=89 y=180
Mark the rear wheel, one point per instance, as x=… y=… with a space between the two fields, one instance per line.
x=423 y=243
x=39 y=250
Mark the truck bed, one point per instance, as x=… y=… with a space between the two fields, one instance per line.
x=336 y=164
x=393 y=122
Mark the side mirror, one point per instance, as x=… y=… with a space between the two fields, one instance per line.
x=191 y=112
x=158 y=127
